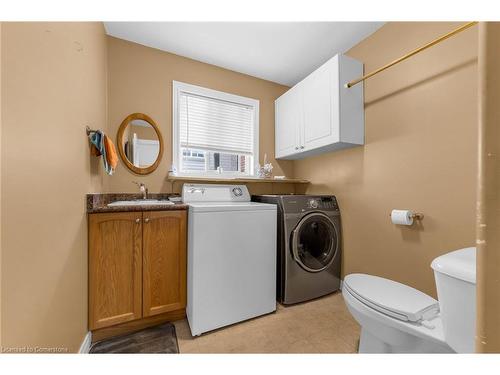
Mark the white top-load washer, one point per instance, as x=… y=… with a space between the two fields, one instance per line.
x=231 y=274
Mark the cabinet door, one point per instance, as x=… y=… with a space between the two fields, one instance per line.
x=319 y=128
x=115 y=268
x=164 y=262
x=288 y=119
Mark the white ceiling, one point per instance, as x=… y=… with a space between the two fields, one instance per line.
x=282 y=52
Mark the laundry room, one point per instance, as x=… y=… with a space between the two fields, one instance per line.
x=324 y=159
x=263 y=186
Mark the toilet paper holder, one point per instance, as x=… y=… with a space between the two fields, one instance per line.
x=415 y=216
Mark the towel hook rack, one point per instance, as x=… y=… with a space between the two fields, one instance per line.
x=88 y=130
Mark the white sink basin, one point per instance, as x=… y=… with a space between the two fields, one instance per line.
x=141 y=202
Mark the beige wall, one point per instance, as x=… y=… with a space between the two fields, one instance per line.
x=53 y=84
x=420 y=154
x=488 y=208
x=140 y=80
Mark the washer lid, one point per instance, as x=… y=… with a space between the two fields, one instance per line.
x=391 y=298
x=230 y=206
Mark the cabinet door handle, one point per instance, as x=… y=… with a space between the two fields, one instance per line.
x=146 y=220
x=296 y=148
x=137 y=221
x=301 y=147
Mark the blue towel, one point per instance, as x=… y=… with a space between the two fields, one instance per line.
x=97 y=139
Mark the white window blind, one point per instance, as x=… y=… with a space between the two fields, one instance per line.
x=212 y=124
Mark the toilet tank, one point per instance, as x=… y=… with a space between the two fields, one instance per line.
x=455 y=275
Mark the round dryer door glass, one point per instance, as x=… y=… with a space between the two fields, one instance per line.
x=315 y=242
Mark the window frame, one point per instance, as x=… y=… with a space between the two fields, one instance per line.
x=181 y=87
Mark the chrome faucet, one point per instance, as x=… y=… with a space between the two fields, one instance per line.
x=142 y=188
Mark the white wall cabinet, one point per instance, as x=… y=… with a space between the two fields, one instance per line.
x=288 y=122
x=320 y=114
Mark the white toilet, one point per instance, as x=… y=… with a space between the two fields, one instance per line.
x=396 y=318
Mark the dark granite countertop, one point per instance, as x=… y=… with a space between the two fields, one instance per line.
x=97 y=203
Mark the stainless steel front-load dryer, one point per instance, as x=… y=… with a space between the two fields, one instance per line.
x=308 y=245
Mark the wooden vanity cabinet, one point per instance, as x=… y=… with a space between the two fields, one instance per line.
x=115 y=268
x=164 y=262
x=137 y=266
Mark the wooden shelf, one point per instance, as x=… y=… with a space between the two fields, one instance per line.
x=248 y=180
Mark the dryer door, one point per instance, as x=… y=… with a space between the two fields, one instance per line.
x=315 y=242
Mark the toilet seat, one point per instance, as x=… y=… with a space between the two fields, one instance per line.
x=391 y=298
x=398 y=336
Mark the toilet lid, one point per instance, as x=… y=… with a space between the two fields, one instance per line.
x=391 y=298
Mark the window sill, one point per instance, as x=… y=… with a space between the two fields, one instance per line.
x=236 y=179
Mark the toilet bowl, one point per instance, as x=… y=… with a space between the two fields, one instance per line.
x=396 y=318
x=390 y=323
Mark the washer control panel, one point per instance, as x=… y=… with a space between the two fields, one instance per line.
x=237 y=192
x=323 y=203
x=304 y=203
x=329 y=203
x=214 y=193
x=313 y=203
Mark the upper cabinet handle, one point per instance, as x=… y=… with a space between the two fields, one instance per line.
x=146 y=220
x=137 y=220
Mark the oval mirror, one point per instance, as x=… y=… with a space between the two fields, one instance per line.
x=140 y=143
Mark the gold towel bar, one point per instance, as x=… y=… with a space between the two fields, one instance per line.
x=414 y=52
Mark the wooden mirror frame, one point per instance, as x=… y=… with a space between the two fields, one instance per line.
x=119 y=142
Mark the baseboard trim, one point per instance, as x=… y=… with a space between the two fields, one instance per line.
x=136 y=325
x=85 y=346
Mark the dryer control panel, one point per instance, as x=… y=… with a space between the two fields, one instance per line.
x=303 y=203
x=328 y=203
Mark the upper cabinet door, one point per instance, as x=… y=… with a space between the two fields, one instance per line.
x=164 y=267
x=115 y=268
x=288 y=118
x=319 y=113
x=320 y=127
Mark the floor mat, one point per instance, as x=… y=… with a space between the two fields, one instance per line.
x=158 y=339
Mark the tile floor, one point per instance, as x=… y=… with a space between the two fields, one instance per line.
x=320 y=326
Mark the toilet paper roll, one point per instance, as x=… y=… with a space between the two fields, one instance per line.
x=402 y=217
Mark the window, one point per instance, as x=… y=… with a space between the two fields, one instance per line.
x=214 y=132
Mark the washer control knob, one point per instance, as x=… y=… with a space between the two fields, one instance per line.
x=313 y=203
x=237 y=192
